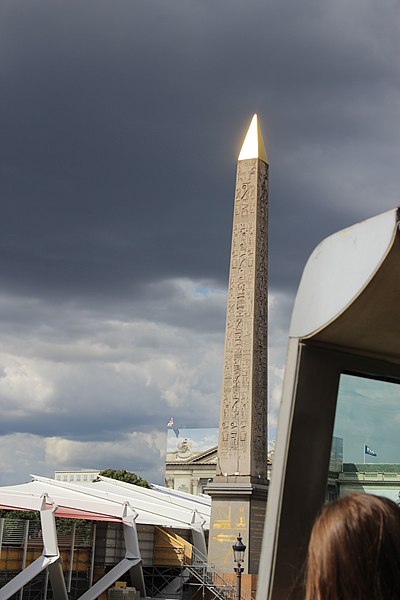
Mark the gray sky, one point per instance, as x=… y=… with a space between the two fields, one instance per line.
x=120 y=125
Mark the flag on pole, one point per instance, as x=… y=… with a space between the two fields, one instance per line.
x=171 y=425
x=368 y=450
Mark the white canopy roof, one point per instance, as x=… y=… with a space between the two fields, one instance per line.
x=109 y=500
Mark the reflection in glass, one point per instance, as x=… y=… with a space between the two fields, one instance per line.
x=365 y=452
x=368 y=414
x=336 y=460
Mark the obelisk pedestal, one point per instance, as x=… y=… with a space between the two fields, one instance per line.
x=239 y=489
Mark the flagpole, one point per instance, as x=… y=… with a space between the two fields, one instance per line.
x=165 y=459
x=364 y=452
x=170 y=425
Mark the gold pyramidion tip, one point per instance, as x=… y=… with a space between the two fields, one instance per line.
x=253 y=145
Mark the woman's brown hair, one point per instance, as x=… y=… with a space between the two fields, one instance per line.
x=354 y=550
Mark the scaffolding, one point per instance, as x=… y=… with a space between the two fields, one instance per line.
x=21 y=543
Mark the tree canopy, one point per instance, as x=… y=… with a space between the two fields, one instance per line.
x=25 y=515
x=123 y=475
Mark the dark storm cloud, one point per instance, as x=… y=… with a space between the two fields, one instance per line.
x=121 y=122
x=197 y=306
x=99 y=162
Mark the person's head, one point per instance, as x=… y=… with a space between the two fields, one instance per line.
x=354 y=550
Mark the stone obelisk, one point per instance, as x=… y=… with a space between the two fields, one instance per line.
x=239 y=490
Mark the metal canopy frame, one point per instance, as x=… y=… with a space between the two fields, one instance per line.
x=107 y=500
x=75 y=506
x=131 y=562
x=50 y=559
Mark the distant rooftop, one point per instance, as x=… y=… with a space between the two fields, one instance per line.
x=371 y=467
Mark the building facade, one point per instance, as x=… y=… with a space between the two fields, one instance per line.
x=191 y=472
x=188 y=471
x=82 y=476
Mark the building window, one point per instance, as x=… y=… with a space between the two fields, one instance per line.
x=203 y=483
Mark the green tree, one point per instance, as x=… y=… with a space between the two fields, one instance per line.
x=123 y=475
x=25 y=515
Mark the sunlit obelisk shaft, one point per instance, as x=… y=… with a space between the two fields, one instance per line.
x=239 y=488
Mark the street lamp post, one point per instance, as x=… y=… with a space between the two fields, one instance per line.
x=238 y=556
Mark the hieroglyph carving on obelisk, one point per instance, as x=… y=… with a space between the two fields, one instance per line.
x=242 y=448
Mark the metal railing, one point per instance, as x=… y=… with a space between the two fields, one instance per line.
x=197 y=571
x=13 y=533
